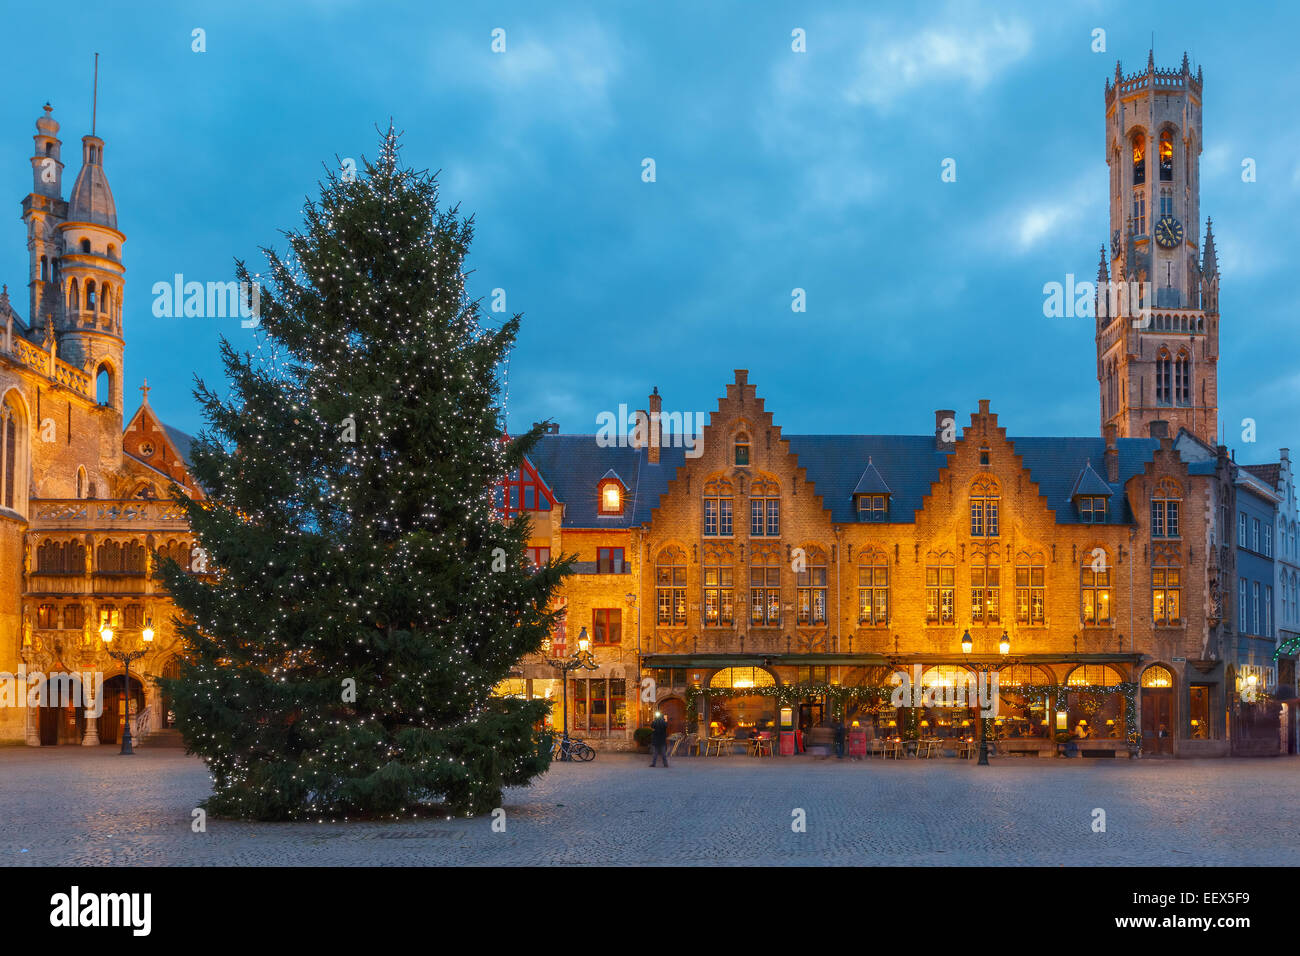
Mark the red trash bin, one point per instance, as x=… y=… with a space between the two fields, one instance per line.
x=787 y=743
x=857 y=743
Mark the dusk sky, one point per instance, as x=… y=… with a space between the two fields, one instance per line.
x=775 y=170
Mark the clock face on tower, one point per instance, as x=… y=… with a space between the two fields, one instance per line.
x=1169 y=232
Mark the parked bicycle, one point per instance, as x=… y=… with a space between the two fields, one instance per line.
x=570 y=748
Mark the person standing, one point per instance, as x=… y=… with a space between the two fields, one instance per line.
x=659 y=739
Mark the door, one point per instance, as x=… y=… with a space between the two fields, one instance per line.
x=810 y=715
x=1157 y=720
x=674 y=712
x=49 y=725
x=114 y=715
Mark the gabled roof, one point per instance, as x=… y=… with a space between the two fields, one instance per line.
x=573 y=466
x=871 y=483
x=181 y=442
x=1090 y=484
x=839 y=466
x=613 y=474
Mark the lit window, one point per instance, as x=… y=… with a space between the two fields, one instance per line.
x=1166 y=157
x=873 y=588
x=810 y=585
x=1094 y=591
x=611 y=497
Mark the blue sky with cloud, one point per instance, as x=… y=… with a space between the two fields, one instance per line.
x=775 y=170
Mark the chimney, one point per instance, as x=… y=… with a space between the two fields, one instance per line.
x=548 y=428
x=1112 y=454
x=945 y=420
x=656 y=408
x=1158 y=428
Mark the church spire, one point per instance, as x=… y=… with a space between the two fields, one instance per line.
x=1210 y=258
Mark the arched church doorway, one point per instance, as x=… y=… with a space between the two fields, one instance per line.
x=114 y=714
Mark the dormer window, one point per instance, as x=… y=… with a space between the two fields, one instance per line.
x=873 y=507
x=1092 y=510
x=742 y=449
x=610 y=495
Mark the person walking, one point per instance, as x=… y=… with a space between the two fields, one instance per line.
x=659 y=739
x=839 y=739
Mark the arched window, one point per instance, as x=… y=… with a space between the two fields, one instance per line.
x=104 y=386
x=1183 y=378
x=741 y=678
x=718 y=499
x=11 y=456
x=1166 y=587
x=45 y=268
x=74 y=295
x=810 y=585
x=984 y=508
x=939 y=585
x=81 y=481
x=1094 y=675
x=985 y=589
x=1139 y=212
x=106 y=299
x=1166 y=201
x=90 y=295
x=1139 y=159
x=873 y=587
x=1031 y=583
x=1164 y=509
x=670 y=587
x=1157 y=676
x=719 y=593
x=114 y=558
x=60 y=557
x=1164 y=378
x=85 y=245
x=1166 y=156
x=1094 y=588
x=178 y=551
x=112 y=251
x=765 y=509
x=742 y=449
x=765 y=588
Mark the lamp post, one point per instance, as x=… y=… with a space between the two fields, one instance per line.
x=581 y=658
x=1004 y=648
x=126 y=657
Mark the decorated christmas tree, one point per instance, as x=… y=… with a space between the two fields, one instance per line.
x=361 y=598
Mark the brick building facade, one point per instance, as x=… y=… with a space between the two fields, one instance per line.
x=1096 y=574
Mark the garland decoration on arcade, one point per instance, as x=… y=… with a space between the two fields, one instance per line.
x=876 y=698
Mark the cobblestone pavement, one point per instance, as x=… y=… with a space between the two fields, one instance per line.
x=89 y=806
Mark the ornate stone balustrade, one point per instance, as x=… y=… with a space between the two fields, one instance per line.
x=132 y=516
x=60 y=371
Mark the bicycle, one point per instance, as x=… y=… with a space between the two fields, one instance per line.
x=570 y=748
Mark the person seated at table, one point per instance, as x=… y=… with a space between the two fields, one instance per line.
x=1081 y=730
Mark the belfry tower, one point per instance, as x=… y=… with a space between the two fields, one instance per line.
x=75 y=258
x=1158 y=288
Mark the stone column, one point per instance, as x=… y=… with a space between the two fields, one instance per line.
x=92 y=693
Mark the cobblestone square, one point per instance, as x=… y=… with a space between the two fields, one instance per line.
x=70 y=806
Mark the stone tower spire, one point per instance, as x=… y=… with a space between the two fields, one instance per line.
x=91 y=277
x=1157 y=353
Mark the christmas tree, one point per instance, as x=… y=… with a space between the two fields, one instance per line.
x=362 y=597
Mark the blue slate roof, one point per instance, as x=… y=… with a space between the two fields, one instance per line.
x=906 y=466
x=182 y=441
x=572 y=465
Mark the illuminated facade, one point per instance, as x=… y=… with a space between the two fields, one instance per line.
x=1103 y=565
x=83 y=505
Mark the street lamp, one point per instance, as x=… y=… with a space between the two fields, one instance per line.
x=1004 y=648
x=126 y=657
x=581 y=658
